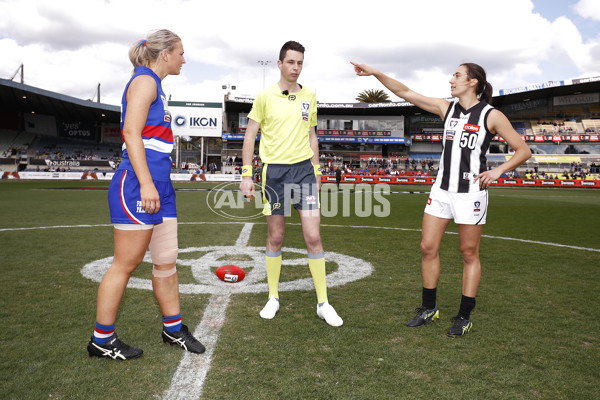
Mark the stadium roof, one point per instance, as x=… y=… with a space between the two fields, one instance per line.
x=591 y=85
x=18 y=97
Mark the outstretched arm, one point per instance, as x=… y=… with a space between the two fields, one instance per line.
x=433 y=105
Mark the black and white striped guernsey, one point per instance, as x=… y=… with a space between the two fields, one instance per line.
x=465 y=143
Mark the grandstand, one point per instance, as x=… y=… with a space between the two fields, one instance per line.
x=561 y=124
x=43 y=130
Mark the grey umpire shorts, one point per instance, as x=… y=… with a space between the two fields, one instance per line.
x=284 y=185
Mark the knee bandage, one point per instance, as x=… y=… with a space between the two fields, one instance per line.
x=163 y=273
x=163 y=244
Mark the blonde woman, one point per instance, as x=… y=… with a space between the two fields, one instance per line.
x=142 y=200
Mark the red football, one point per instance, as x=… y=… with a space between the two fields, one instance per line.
x=230 y=273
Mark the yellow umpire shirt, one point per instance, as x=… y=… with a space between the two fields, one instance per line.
x=285 y=121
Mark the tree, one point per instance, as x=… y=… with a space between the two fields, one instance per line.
x=373 y=96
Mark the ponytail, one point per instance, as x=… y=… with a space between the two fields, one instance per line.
x=486 y=92
x=146 y=52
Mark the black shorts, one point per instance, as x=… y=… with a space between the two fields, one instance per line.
x=284 y=185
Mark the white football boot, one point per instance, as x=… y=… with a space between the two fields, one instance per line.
x=327 y=312
x=270 y=309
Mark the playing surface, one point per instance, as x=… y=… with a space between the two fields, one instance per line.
x=536 y=331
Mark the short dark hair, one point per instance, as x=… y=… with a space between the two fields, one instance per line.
x=291 y=45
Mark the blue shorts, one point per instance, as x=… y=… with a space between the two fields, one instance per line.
x=125 y=203
x=284 y=185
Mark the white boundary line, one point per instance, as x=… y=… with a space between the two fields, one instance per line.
x=322 y=225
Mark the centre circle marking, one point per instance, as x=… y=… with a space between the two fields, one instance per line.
x=188 y=380
x=349 y=269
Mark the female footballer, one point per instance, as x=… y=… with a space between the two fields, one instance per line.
x=460 y=190
x=142 y=200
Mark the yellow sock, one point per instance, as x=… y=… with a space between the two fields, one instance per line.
x=273 y=260
x=316 y=263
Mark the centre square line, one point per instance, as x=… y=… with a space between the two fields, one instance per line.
x=188 y=380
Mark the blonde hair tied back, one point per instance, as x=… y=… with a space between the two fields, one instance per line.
x=146 y=52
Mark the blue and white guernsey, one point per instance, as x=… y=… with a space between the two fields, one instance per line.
x=466 y=141
x=157 y=134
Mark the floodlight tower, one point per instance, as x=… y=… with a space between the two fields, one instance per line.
x=264 y=64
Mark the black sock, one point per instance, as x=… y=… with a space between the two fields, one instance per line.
x=429 y=298
x=467 y=304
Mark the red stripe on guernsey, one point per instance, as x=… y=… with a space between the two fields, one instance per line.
x=161 y=132
x=173 y=322
x=124 y=205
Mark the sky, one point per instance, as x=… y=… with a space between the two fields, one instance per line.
x=71 y=46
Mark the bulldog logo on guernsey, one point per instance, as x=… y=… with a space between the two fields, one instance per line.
x=305 y=110
x=472 y=128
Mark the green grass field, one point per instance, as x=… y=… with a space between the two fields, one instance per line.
x=536 y=331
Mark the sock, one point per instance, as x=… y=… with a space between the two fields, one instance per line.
x=429 y=296
x=273 y=261
x=172 y=323
x=103 y=332
x=316 y=263
x=467 y=304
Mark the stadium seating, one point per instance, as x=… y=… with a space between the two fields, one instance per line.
x=62 y=148
x=591 y=125
x=520 y=127
x=7 y=142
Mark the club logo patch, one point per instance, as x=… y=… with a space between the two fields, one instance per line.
x=477 y=206
x=305 y=110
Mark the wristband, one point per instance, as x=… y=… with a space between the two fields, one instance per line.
x=247 y=170
x=318 y=169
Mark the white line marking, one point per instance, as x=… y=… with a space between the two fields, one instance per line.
x=244 y=237
x=322 y=225
x=349 y=269
x=188 y=380
x=52 y=227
